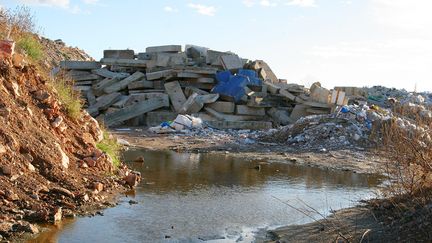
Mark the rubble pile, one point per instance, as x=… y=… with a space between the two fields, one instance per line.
x=222 y=89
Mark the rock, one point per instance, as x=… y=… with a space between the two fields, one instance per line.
x=25 y=227
x=41 y=95
x=6 y=170
x=11 y=196
x=57 y=122
x=2 y=149
x=139 y=159
x=64 y=157
x=98 y=187
x=90 y=161
x=132 y=202
x=57 y=216
x=62 y=191
x=31 y=167
x=132 y=179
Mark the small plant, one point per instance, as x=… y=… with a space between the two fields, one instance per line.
x=110 y=146
x=31 y=46
x=69 y=98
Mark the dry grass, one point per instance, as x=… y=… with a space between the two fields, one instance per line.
x=410 y=151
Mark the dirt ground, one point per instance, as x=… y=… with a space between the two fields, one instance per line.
x=357 y=161
x=50 y=167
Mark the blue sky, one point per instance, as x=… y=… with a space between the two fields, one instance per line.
x=336 y=42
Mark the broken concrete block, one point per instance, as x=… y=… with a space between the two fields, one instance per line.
x=98 y=88
x=120 y=103
x=299 y=111
x=213 y=57
x=290 y=96
x=133 y=111
x=206 y=80
x=188 y=75
x=168 y=48
x=103 y=102
x=190 y=90
x=250 y=125
x=155 y=118
x=144 y=56
x=136 y=98
x=141 y=84
x=231 y=62
x=265 y=71
x=208 y=98
x=79 y=65
x=192 y=105
x=120 y=54
x=319 y=94
x=226 y=117
x=86 y=77
x=159 y=74
x=108 y=74
x=91 y=99
x=123 y=62
x=222 y=106
x=272 y=88
x=124 y=83
x=176 y=95
x=280 y=117
x=252 y=111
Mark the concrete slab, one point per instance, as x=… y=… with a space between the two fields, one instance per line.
x=124 y=62
x=121 y=54
x=133 y=111
x=252 y=111
x=167 y=48
x=124 y=83
x=159 y=74
x=176 y=95
x=141 y=84
x=103 y=102
x=108 y=74
x=222 y=106
x=79 y=65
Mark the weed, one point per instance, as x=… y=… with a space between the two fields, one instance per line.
x=110 y=146
x=31 y=46
x=69 y=98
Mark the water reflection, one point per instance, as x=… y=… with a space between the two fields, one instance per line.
x=191 y=196
x=171 y=171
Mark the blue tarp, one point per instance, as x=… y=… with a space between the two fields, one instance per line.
x=233 y=85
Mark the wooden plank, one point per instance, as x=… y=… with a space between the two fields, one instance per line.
x=134 y=111
x=124 y=62
x=124 y=83
x=176 y=95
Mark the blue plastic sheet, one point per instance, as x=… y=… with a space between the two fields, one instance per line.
x=233 y=85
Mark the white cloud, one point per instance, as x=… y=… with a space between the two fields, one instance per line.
x=91 y=2
x=170 y=9
x=275 y=3
x=203 y=9
x=50 y=3
x=404 y=15
x=303 y=3
x=249 y=3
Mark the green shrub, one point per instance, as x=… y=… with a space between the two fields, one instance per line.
x=110 y=146
x=31 y=46
x=68 y=97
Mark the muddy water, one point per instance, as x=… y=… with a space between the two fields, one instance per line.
x=188 y=197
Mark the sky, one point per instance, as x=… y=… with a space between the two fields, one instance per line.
x=335 y=42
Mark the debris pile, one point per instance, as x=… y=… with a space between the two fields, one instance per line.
x=222 y=89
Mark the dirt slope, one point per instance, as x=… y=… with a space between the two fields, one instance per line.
x=49 y=164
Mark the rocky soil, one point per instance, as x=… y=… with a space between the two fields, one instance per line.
x=50 y=167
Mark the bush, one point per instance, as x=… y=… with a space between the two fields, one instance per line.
x=110 y=146
x=69 y=98
x=31 y=46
